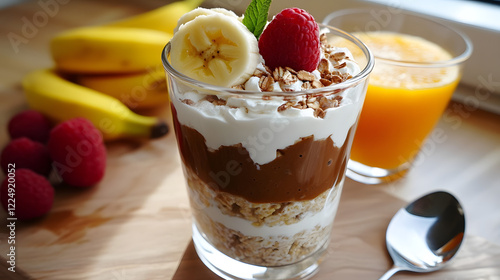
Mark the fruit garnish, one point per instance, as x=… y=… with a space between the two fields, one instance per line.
x=216 y=49
x=256 y=14
x=291 y=40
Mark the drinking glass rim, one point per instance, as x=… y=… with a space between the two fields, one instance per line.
x=355 y=80
x=456 y=60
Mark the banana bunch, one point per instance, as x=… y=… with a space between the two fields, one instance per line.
x=136 y=91
x=162 y=19
x=104 y=73
x=108 y=50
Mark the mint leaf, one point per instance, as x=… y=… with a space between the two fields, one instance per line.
x=256 y=14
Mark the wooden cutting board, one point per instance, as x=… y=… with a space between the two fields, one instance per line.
x=136 y=223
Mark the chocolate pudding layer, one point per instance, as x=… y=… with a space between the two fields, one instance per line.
x=300 y=172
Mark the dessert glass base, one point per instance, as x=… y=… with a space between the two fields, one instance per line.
x=373 y=175
x=231 y=269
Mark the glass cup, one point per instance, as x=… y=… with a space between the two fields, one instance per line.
x=405 y=98
x=264 y=179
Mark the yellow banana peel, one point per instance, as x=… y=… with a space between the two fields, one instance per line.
x=60 y=100
x=163 y=19
x=118 y=69
x=137 y=90
x=106 y=50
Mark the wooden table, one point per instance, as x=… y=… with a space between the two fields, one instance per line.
x=136 y=223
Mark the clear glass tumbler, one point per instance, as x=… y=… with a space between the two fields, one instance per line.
x=406 y=97
x=264 y=178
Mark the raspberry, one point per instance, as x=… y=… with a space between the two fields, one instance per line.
x=26 y=153
x=31 y=193
x=291 y=40
x=78 y=152
x=31 y=124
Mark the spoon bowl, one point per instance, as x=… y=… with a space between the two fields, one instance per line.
x=425 y=235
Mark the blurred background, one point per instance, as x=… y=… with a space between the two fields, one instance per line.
x=476 y=18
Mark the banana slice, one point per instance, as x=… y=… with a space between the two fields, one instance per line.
x=202 y=12
x=216 y=49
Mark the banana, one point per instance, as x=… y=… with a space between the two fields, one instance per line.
x=163 y=19
x=216 y=49
x=137 y=91
x=102 y=49
x=200 y=12
x=59 y=99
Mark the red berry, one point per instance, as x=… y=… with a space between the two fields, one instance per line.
x=31 y=124
x=26 y=153
x=27 y=194
x=78 y=152
x=291 y=40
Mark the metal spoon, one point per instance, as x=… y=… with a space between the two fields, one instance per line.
x=426 y=234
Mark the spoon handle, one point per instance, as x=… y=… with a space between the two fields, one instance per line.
x=390 y=272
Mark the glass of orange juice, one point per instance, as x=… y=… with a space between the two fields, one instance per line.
x=418 y=64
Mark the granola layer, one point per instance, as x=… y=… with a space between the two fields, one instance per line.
x=204 y=197
x=284 y=234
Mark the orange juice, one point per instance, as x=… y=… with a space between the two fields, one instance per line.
x=403 y=103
